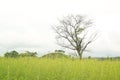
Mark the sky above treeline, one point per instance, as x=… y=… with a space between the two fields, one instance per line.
x=26 y=24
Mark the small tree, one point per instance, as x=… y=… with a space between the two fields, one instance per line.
x=72 y=33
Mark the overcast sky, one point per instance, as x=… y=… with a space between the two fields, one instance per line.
x=26 y=24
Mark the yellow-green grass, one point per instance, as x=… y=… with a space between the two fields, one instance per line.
x=58 y=69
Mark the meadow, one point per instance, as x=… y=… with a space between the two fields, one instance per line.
x=58 y=69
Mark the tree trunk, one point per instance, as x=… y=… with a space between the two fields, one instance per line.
x=80 y=55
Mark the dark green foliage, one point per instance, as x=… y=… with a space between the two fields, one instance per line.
x=55 y=55
x=89 y=57
x=60 y=51
x=12 y=54
x=28 y=54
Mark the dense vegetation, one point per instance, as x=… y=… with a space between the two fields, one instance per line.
x=55 y=55
x=33 y=68
x=15 y=54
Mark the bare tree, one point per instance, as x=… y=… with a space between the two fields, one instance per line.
x=72 y=33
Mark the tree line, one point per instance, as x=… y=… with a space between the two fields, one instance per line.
x=53 y=55
x=15 y=54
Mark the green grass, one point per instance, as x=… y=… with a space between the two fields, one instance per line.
x=58 y=69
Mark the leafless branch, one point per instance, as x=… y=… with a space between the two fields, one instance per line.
x=73 y=29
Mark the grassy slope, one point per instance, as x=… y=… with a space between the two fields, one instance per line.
x=58 y=69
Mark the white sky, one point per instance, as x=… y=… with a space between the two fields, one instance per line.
x=26 y=24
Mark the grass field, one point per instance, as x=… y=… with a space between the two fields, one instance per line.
x=58 y=69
